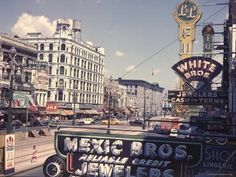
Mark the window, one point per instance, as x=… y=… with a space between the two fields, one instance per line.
x=63 y=47
x=41 y=46
x=60 y=95
x=62 y=58
x=40 y=56
x=50 y=58
x=50 y=69
x=49 y=83
x=62 y=70
x=50 y=46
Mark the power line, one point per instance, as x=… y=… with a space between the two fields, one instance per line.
x=145 y=60
x=169 y=44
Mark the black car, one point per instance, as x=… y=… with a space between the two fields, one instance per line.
x=136 y=122
x=17 y=124
x=3 y=125
x=35 y=123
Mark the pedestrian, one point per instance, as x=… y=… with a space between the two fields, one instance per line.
x=34 y=154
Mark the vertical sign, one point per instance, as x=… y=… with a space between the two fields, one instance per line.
x=187 y=15
x=9 y=162
x=208 y=34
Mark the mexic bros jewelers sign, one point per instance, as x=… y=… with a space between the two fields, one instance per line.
x=96 y=155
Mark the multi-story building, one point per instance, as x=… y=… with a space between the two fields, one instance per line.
x=143 y=96
x=26 y=55
x=75 y=67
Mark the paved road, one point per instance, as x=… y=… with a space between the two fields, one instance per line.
x=37 y=172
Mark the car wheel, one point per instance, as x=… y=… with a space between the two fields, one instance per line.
x=55 y=166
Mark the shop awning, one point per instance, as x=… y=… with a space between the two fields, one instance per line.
x=62 y=112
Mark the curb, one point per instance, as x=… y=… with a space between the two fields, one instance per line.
x=25 y=170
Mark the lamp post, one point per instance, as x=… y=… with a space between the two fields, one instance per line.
x=74 y=101
x=109 y=105
x=11 y=75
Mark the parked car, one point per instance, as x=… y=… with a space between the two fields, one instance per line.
x=136 y=122
x=35 y=123
x=85 y=121
x=113 y=121
x=3 y=125
x=174 y=132
x=17 y=124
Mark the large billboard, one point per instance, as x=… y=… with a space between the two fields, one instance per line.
x=123 y=155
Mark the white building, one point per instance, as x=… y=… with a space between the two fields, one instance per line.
x=75 y=67
x=143 y=96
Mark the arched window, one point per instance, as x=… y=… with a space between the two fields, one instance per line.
x=62 y=70
x=50 y=58
x=41 y=46
x=61 y=83
x=63 y=46
x=40 y=56
x=50 y=69
x=51 y=46
x=60 y=95
x=49 y=83
x=62 y=58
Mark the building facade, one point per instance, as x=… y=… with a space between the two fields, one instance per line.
x=26 y=55
x=75 y=67
x=143 y=97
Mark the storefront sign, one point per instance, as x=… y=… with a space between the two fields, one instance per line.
x=51 y=106
x=94 y=155
x=9 y=163
x=220 y=157
x=197 y=97
x=41 y=79
x=200 y=69
x=22 y=100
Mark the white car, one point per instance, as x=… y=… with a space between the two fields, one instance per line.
x=174 y=132
x=86 y=121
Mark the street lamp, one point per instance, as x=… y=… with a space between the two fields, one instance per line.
x=74 y=101
x=12 y=75
x=109 y=105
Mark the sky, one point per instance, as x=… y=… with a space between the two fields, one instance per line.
x=141 y=33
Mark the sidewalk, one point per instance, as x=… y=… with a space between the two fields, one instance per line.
x=23 y=152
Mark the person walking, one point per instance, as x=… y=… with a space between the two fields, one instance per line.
x=34 y=154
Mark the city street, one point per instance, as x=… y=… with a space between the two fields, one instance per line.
x=37 y=172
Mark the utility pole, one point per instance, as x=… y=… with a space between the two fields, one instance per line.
x=144 y=109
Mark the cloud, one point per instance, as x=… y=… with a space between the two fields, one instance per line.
x=119 y=53
x=40 y=2
x=130 y=67
x=27 y=23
